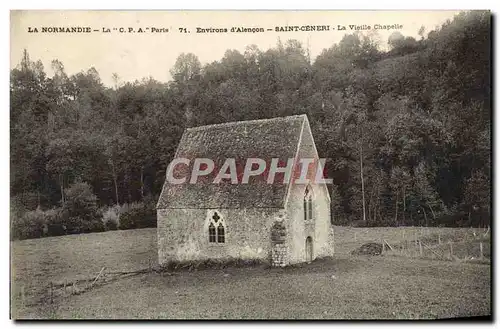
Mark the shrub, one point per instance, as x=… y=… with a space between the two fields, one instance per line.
x=26 y=201
x=37 y=223
x=80 y=200
x=129 y=216
x=54 y=222
x=211 y=264
x=111 y=217
x=28 y=226
x=80 y=213
x=137 y=215
x=110 y=225
x=95 y=225
x=373 y=223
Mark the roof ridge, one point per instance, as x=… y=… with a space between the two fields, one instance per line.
x=233 y=123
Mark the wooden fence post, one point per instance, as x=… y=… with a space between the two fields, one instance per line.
x=481 y=250
x=98 y=275
x=430 y=249
x=388 y=245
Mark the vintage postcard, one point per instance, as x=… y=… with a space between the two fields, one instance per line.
x=250 y=165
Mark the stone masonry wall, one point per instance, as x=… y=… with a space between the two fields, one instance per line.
x=183 y=234
x=279 y=253
x=319 y=229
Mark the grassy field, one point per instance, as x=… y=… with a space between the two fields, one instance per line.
x=396 y=285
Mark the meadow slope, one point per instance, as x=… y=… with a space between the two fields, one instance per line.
x=348 y=286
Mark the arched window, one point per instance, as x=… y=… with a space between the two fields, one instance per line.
x=220 y=233
x=308 y=206
x=211 y=233
x=216 y=229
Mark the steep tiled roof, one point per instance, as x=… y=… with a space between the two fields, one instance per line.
x=264 y=139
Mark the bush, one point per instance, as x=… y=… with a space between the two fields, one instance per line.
x=373 y=223
x=26 y=201
x=95 y=225
x=129 y=215
x=37 y=223
x=110 y=225
x=111 y=217
x=80 y=213
x=28 y=226
x=54 y=222
x=137 y=215
x=80 y=200
x=194 y=265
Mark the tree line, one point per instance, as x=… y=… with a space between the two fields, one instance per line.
x=406 y=130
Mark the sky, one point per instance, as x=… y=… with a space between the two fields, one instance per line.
x=134 y=56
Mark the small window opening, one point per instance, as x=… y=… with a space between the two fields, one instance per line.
x=308 y=205
x=220 y=234
x=216 y=217
x=211 y=233
x=216 y=229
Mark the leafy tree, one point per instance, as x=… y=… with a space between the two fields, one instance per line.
x=80 y=210
x=406 y=131
x=186 y=67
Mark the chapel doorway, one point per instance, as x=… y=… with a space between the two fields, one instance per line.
x=309 y=249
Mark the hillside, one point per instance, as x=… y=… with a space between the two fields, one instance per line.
x=406 y=131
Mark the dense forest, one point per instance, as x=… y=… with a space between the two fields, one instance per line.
x=406 y=131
